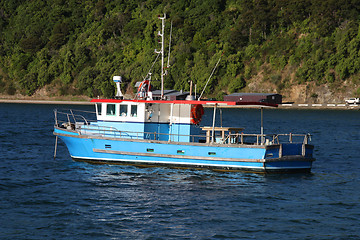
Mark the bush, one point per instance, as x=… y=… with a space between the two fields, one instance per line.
x=236 y=84
x=11 y=90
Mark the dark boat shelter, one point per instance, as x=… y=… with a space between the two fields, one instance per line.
x=170 y=95
x=273 y=98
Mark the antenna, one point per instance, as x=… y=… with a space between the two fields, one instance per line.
x=168 y=63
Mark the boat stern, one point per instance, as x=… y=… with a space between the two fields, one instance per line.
x=289 y=157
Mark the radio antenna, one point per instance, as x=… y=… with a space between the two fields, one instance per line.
x=168 y=63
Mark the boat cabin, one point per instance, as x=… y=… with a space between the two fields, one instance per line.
x=153 y=120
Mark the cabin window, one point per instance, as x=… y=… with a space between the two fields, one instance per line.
x=98 y=108
x=123 y=110
x=134 y=110
x=110 y=109
x=212 y=153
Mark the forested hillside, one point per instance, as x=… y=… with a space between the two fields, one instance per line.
x=77 y=46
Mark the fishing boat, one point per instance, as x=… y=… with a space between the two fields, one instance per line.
x=144 y=131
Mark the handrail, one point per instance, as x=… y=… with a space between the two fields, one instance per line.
x=236 y=138
x=112 y=131
x=70 y=114
x=274 y=137
x=106 y=130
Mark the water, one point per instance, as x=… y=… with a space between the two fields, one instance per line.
x=43 y=198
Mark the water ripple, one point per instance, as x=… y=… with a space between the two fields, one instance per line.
x=43 y=198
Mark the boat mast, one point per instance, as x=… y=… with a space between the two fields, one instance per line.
x=262 y=125
x=162 y=53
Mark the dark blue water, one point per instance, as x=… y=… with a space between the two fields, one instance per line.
x=43 y=198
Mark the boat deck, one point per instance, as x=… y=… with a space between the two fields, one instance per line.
x=212 y=135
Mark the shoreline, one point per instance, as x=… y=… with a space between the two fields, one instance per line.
x=320 y=106
x=26 y=101
x=283 y=106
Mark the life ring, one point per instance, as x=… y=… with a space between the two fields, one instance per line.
x=197 y=111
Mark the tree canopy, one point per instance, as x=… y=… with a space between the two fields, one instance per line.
x=77 y=46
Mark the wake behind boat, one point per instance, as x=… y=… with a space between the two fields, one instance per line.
x=144 y=131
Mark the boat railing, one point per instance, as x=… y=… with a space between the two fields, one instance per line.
x=74 y=121
x=106 y=131
x=267 y=139
x=241 y=138
x=71 y=118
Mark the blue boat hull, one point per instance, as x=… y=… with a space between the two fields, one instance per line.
x=253 y=158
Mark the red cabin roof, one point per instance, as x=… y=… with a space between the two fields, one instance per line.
x=220 y=103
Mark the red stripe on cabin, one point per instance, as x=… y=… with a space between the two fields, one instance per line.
x=230 y=103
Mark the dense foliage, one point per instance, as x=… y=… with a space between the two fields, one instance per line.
x=77 y=46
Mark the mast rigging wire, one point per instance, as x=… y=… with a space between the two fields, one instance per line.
x=152 y=66
x=210 y=77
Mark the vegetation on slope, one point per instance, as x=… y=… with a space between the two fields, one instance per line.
x=77 y=46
